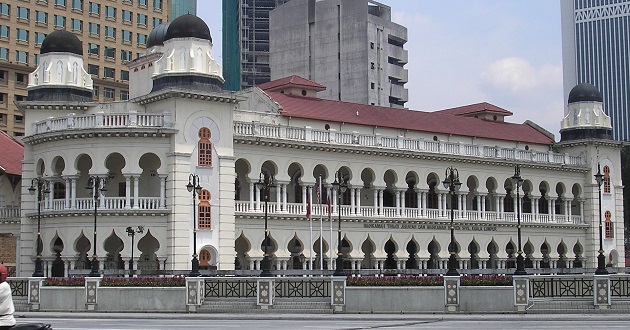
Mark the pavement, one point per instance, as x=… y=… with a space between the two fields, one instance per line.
x=314 y=317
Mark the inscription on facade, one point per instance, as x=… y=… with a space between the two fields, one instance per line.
x=427 y=227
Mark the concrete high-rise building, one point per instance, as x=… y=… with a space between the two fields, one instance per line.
x=111 y=32
x=246 y=42
x=595 y=50
x=182 y=7
x=350 y=46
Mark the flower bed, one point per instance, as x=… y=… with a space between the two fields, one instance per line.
x=154 y=282
x=466 y=280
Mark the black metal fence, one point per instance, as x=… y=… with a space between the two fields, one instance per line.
x=230 y=288
x=302 y=288
x=556 y=287
x=19 y=287
x=620 y=287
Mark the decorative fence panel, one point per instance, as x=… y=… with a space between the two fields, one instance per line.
x=560 y=287
x=620 y=286
x=302 y=288
x=19 y=287
x=230 y=288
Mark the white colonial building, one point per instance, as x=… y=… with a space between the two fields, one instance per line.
x=395 y=213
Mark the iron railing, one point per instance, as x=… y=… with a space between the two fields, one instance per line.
x=561 y=287
x=230 y=288
x=302 y=288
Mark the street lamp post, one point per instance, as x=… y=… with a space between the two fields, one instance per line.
x=96 y=185
x=194 y=187
x=42 y=187
x=132 y=232
x=601 y=259
x=341 y=187
x=452 y=183
x=264 y=184
x=518 y=182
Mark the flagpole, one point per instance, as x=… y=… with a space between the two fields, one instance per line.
x=310 y=220
x=331 y=228
x=321 y=227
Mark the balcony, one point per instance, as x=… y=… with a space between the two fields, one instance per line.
x=399 y=92
x=321 y=210
x=398 y=72
x=9 y=214
x=102 y=120
x=399 y=53
x=353 y=139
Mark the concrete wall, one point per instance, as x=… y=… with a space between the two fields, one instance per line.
x=427 y=299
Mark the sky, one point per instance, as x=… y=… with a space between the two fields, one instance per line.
x=504 y=52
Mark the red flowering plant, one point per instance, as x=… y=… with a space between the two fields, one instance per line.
x=66 y=281
x=153 y=282
x=395 y=281
x=486 y=280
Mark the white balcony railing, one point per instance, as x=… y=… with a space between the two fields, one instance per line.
x=307 y=134
x=107 y=203
x=102 y=120
x=321 y=210
x=9 y=213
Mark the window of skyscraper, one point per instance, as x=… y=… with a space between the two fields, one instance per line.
x=60 y=21
x=156 y=21
x=142 y=39
x=125 y=55
x=142 y=19
x=4 y=31
x=93 y=69
x=21 y=35
x=94 y=28
x=124 y=95
x=110 y=52
x=36 y=59
x=39 y=38
x=5 y=9
x=95 y=91
x=142 y=2
x=22 y=13
x=108 y=72
x=41 y=17
x=126 y=35
x=93 y=49
x=124 y=75
x=21 y=57
x=127 y=16
x=157 y=4
x=4 y=53
x=61 y=3
x=77 y=24
x=95 y=8
x=110 y=12
x=110 y=32
x=77 y=5
x=108 y=93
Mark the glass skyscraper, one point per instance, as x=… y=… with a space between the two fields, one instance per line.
x=182 y=7
x=596 y=50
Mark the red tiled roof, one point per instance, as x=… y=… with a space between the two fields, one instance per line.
x=476 y=108
x=11 y=155
x=291 y=80
x=434 y=122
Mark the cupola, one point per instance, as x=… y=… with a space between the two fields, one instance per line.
x=585 y=117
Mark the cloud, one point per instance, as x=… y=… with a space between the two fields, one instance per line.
x=515 y=75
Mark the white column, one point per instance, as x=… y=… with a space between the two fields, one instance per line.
x=425 y=195
x=352 y=200
x=128 y=192
x=397 y=200
x=483 y=206
x=74 y=193
x=334 y=201
x=440 y=200
x=67 y=201
x=136 y=192
x=101 y=199
x=497 y=205
x=48 y=199
x=251 y=195
x=162 y=191
x=358 y=195
x=304 y=196
x=257 y=197
x=375 y=201
x=278 y=194
x=534 y=202
x=582 y=210
x=380 y=202
x=419 y=201
x=479 y=213
x=402 y=203
x=285 y=196
x=552 y=209
x=463 y=205
x=501 y=207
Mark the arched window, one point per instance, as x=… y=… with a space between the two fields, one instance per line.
x=606 y=180
x=204 y=148
x=609 y=231
x=205 y=217
x=59 y=190
x=204 y=258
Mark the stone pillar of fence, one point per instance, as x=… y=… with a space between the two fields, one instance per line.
x=91 y=292
x=194 y=293
x=521 y=292
x=601 y=291
x=34 y=286
x=338 y=294
x=264 y=296
x=451 y=294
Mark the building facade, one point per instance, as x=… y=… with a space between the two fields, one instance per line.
x=113 y=32
x=182 y=7
x=352 y=47
x=595 y=50
x=186 y=159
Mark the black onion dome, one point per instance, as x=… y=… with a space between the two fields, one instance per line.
x=156 y=37
x=62 y=41
x=585 y=93
x=188 y=26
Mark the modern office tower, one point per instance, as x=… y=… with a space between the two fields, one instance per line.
x=352 y=47
x=112 y=33
x=595 y=50
x=182 y=7
x=246 y=42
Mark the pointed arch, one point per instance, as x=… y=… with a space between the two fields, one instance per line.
x=204 y=221
x=204 y=147
x=609 y=231
x=606 y=179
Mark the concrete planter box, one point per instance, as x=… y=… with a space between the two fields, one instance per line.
x=58 y=298
x=427 y=299
x=387 y=299
x=135 y=299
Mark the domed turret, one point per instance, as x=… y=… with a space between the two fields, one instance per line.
x=156 y=37
x=188 y=26
x=61 y=41
x=585 y=93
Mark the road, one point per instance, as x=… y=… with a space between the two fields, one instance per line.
x=111 y=321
